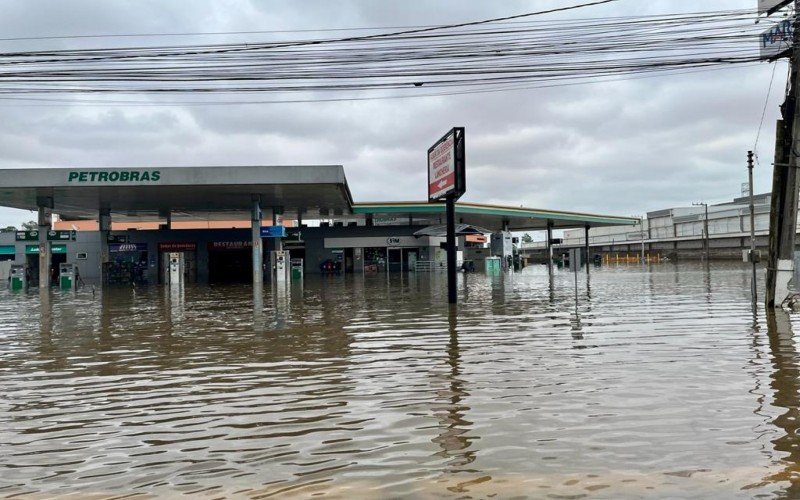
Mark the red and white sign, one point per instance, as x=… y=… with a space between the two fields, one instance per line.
x=442 y=167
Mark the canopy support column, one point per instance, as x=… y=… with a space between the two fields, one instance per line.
x=277 y=220
x=104 y=220
x=258 y=252
x=45 y=219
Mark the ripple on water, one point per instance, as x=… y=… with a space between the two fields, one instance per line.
x=640 y=382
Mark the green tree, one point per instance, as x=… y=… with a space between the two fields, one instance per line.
x=30 y=226
x=526 y=238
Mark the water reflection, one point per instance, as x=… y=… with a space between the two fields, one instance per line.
x=454 y=436
x=786 y=396
x=575 y=320
x=258 y=307
x=355 y=384
x=280 y=304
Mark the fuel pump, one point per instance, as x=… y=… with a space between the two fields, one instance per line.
x=280 y=265
x=67 y=276
x=19 y=277
x=175 y=270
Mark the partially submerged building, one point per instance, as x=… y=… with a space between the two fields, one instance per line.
x=230 y=224
x=680 y=232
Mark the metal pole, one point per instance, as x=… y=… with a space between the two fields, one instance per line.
x=549 y=246
x=753 y=287
x=452 y=296
x=588 y=258
x=705 y=228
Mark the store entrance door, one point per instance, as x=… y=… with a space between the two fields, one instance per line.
x=32 y=262
x=56 y=260
x=410 y=257
x=395 y=260
x=348 y=260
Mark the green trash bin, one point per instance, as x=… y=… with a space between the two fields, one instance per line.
x=493 y=265
x=296 y=266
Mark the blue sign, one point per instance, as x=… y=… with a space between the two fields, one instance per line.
x=273 y=232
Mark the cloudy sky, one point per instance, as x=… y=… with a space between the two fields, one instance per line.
x=623 y=147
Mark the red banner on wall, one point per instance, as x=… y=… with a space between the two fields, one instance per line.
x=177 y=246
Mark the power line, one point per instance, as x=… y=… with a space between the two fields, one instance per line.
x=766 y=103
x=477 y=56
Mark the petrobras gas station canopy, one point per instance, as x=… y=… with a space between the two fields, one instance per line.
x=226 y=193
x=492 y=217
x=201 y=192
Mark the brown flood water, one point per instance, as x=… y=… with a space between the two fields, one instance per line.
x=656 y=382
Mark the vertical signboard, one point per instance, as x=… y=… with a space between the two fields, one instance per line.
x=446 y=179
x=446 y=166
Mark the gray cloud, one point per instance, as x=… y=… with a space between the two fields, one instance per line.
x=620 y=147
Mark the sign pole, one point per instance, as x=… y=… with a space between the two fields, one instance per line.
x=447 y=179
x=452 y=296
x=753 y=260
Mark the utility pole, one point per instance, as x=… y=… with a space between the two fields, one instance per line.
x=705 y=228
x=783 y=209
x=752 y=256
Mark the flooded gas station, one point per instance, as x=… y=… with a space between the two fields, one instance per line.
x=267 y=335
x=626 y=381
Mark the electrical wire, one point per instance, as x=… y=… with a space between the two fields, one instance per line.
x=499 y=54
x=766 y=103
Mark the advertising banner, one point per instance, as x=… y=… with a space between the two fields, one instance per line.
x=27 y=235
x=446 y=166
x=127 y=247
x=177 y=246
x=777 y=41
x=62 y=235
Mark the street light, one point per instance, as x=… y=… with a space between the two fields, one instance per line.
x=705 y=227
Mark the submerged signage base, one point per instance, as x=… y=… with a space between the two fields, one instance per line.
x=446 y=161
